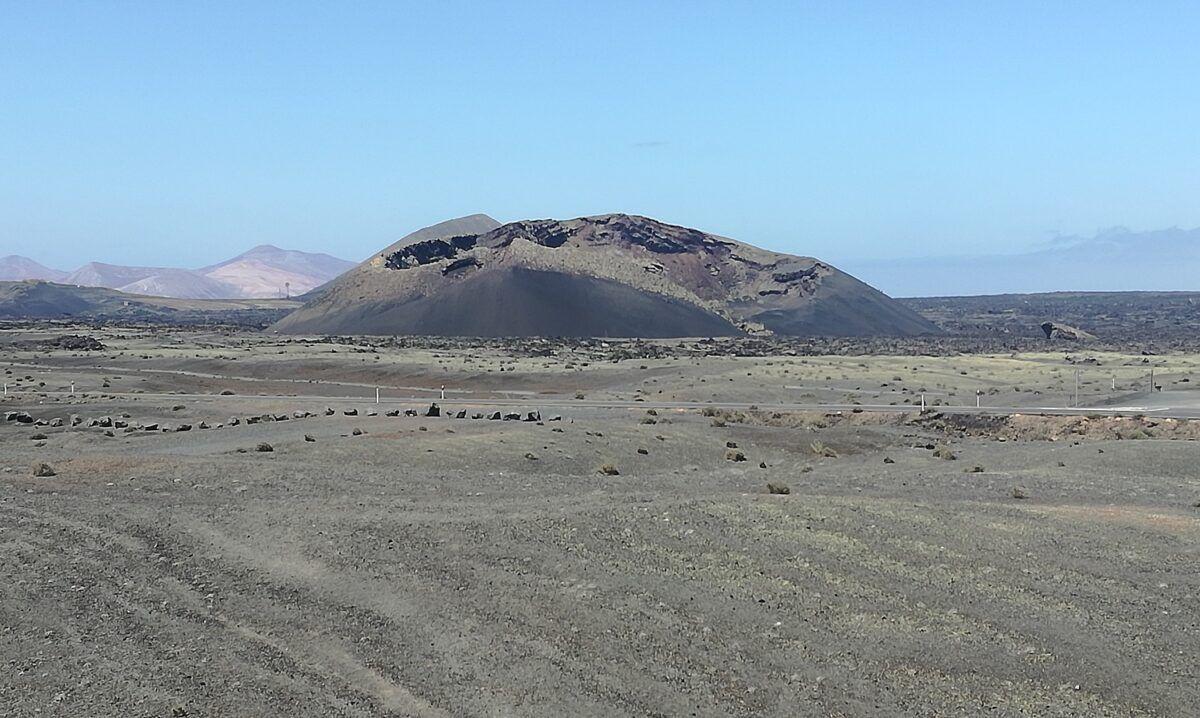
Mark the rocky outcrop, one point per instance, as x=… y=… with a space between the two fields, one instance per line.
x=1054 y=330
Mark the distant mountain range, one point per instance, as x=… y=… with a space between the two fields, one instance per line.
x=1114 y=260
x=263 y=272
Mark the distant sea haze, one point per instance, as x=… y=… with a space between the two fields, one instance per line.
x=1116 y=260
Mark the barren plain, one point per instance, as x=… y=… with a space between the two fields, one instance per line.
x=228 y=524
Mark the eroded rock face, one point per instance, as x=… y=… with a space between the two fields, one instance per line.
x=429 y=251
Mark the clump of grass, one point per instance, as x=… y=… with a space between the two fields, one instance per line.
x=820 y=449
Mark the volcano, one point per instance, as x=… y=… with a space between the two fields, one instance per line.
x=613 y=275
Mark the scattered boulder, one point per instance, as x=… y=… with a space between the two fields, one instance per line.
x=329 y=411
x=264 y=448
x=494 y=416
x=1054 y=330
x=309 y=438
x=555 y=418
x=234 y=421
x=609 y=470
x=184 y=427
x=944 y=452
x=151 y=427
x=533 y=416
x=252 y=419
x=351 y=412
x=1019 y=493
x=357 y=432
x=643 y=452
x=531 y=456
x=410 y=412
x=888 y=460
x=433 y=410
x=56 y=422
x=76 y=420
x=735 y=455
x=43 y=470
x=392 y=413
x=779 y=489
x=512 y=416
x=462 y=414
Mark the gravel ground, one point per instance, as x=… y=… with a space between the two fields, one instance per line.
x=458 y=567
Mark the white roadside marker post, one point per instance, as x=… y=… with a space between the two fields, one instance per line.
x=443 y=392
x=376 y=395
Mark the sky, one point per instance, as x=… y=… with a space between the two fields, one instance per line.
x=172 y=133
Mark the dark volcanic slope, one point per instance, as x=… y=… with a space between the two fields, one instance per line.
x=615 y=275
x=515 y=301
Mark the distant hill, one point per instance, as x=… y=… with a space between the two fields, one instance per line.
x=32 y=300
x=151 y=281
x=610 y=275
x=14 y=268
x=1114 y=260
x=263 y=272
x=268 y=271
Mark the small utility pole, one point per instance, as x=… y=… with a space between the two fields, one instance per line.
x=1151 y=381
x=72 y=388
x=1077 y=388
x=922 y=403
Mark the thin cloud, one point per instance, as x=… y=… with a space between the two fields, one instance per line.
x=650 y=144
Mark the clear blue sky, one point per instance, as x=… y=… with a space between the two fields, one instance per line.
x=182 y=132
